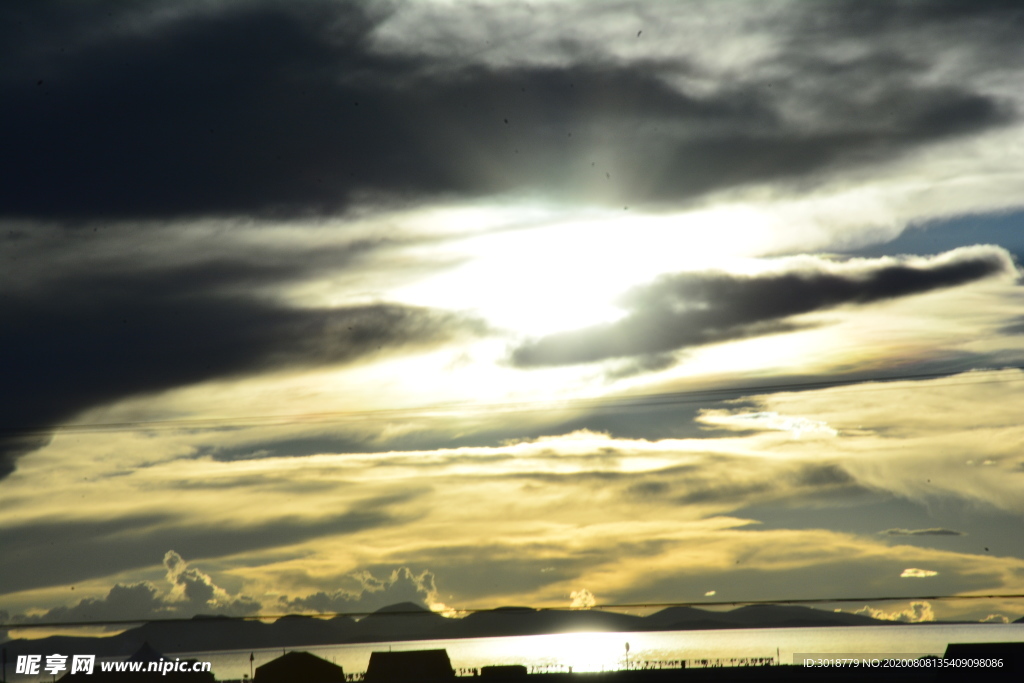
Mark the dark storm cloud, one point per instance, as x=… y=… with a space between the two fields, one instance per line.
x=1000 y=20
x=278 y=108
x=85 y=340
x=694 y=309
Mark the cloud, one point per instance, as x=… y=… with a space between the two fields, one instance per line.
x=798 y=426
x=628 y=472
x=920 y=532
x=519 y=515
x=694 y=309
x=199 y=593
x=192 y=592
x=300 y=108
x=134 y=538
x=14 y=446
x=915 y=613
x=402 y=585
x=83 y=340
x=913 y=573
x=134 y=601
x=995 y=619
x=582 y=599
x=719 y=487
x=652 y=525
x=1016 y=327
x=914 y=439
x=742 y=562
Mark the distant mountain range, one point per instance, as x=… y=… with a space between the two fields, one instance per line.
x=410 y=621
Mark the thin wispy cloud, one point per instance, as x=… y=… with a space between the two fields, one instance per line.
x=920 y=532
x=914 y=573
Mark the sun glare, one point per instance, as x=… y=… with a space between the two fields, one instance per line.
x=585 y=652
x=564 y=273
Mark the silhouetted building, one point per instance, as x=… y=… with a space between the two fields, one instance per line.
x=503 y=672
x=415 y=665
x=299 y=666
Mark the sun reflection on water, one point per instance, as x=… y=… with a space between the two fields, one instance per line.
x=585 y=651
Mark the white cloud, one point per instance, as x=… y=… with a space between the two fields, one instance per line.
x=913 y=573
x=916 y=612
x=199 y=593
x=797 y=426
x=582 y=599
x=996 y=619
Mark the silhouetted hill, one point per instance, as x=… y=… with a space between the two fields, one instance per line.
x=754 y=616
x=296 y=629
x=780 y=616
x=190 y=636
x=200 y=634
x=506 y=621
x=401 y=608
x=686 y=618
x=404 y=621
x=206 y=633
x=410 y=621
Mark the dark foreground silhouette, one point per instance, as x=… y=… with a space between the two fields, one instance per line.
x=974 y=662
x=983 y=662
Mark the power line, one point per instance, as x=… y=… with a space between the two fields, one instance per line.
x=631 y=401
x=611 y=607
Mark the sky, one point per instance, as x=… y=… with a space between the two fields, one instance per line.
x=319 y=306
